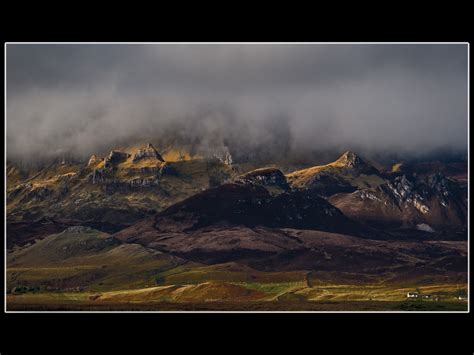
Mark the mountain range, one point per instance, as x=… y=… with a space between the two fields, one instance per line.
x=139 y=225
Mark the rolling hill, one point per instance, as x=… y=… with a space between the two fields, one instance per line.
x=81 y=258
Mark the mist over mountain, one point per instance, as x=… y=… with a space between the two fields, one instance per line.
x=287 y=177
x=264 y=100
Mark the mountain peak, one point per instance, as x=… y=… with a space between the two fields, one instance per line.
x=353 y=161
x=147 y=152
x=350 y=159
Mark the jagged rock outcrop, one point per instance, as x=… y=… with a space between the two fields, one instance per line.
x=103 y=177
x=408 y=200
x=267 y=177
x=113 y=185
x=144 y=182
x=93 y=160
x=78 y=229
x=115 y=157
x=147 y=152
x=162 y=169
x=352 y=161
x=222 y=155
x=410 y=189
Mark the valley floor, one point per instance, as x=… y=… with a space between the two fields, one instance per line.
x=210 y=296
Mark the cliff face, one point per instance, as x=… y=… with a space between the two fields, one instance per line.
x=114 y=158
x=409 y=200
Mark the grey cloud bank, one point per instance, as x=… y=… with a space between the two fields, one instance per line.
x=276 y=98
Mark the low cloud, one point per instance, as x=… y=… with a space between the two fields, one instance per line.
x=266 y=98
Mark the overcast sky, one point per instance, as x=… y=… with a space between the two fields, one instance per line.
x=85 y=98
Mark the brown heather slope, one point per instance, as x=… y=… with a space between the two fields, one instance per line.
x=252 y=206
x=96 y=262
x=273 y=250
x=246 y=225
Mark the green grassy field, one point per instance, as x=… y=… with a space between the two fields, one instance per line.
x=282 y=296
